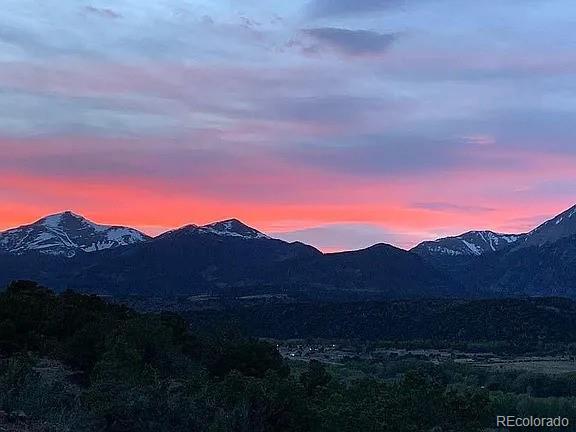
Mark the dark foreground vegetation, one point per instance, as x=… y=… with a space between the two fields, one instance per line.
x=75 y=363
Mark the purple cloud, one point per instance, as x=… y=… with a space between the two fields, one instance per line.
x=102 y=12
x=329 y=8
x=352 y=42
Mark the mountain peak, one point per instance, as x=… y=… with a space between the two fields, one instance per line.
x=66 y=233
x=233 y=228
x=67 y=219
x=60 y=216
x=228 y=224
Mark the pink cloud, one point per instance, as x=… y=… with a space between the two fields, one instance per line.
x=274 y=195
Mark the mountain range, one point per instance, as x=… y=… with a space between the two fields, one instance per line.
x=229 y=258
x=476 y=243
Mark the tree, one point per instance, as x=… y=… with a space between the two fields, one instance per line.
x=314 y=377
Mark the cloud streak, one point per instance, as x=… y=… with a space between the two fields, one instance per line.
x=331 y=8
x=102 y=12
x=355 y=43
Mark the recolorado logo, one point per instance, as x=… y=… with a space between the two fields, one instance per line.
x=512 y=421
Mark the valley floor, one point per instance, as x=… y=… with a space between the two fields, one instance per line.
x=338 y=354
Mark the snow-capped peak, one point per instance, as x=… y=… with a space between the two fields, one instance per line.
x=65 y=234
x=232 y=228
x=472 y=243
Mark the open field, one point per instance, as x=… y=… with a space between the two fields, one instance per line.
x=332 y=353
x=552 y=365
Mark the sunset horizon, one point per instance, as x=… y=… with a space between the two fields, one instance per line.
x=338 y=125
x=311 y=235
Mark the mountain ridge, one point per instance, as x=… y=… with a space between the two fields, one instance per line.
x=470 y=243
x=66 y=233
x=476 y=243
x=230 y=258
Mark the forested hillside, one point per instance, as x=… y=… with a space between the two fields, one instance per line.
x=72 y=362
x=518 y=325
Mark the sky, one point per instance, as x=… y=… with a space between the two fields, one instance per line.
x=340 y=123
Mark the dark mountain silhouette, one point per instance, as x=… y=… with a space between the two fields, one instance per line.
x=230 y=258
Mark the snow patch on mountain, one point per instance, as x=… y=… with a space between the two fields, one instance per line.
x=474 y=249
